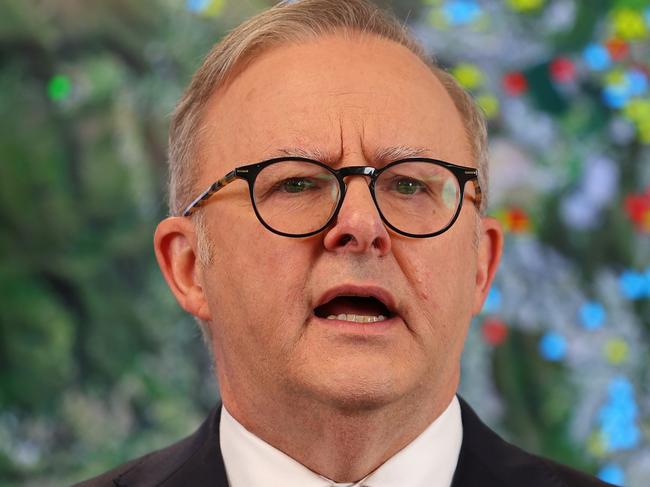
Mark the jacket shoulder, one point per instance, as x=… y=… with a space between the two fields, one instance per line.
x=106 y=479
x=487 y=459
x=156 y=460
x=572 y=477
x=157 y=467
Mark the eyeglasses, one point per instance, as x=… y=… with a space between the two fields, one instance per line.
x=299 y=197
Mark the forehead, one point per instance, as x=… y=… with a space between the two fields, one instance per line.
x=337 y=96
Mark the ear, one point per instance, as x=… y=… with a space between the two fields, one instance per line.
x=175 y=244
x=489 y=255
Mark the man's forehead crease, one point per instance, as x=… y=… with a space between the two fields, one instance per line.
x=340 y=147
x=379 y=157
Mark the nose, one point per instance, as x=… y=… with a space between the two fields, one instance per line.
x=358 y=227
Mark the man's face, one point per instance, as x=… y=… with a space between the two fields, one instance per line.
x=347 y=101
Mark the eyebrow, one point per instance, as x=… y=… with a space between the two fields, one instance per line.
x=381 y=156
x=393 y=153
x=316 y=154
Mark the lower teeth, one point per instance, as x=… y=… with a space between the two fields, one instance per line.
x=357 y=318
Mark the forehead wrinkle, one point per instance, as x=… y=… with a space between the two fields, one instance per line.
x=341 y=144
x=380 y=157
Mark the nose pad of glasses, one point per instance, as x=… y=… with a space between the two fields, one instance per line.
x=350 y=195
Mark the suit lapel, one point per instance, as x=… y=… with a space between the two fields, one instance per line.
x=194 y=461
x=489 y=461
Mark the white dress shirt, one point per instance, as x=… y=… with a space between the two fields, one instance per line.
x=428 y=461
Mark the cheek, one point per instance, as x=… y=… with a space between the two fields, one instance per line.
x=266 y=273
x=257 y=307
x=442 y=279
x=442 y=273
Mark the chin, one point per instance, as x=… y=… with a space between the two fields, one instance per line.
x=355 y=390
x=356 y=402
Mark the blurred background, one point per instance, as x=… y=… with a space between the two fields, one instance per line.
x=99 y=365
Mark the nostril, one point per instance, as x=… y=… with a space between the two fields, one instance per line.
x=357 y=231
x=345 y=239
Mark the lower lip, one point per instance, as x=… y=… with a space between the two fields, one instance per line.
x=351 y=327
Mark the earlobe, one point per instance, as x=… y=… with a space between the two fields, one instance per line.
x=489 y=255
x=176 y=252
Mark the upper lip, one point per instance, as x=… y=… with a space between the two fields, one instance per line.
x=363 y=291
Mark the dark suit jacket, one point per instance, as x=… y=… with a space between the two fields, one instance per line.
x=486 y=460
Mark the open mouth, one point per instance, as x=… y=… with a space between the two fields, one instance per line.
x=357 y=309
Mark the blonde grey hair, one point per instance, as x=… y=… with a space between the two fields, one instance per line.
x=290 y=23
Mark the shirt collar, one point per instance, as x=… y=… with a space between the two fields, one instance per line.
x=429 y=460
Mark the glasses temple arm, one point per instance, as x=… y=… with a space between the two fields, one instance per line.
x=202 y=199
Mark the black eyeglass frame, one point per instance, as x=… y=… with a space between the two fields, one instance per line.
x=250 y=172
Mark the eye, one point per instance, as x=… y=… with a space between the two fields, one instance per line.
x=297 y=185
x=408 y=186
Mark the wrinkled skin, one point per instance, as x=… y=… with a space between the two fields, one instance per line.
x=299 y=383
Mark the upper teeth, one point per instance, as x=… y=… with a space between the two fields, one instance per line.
x=357 y=318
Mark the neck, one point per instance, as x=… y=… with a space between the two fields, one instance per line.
x=339 y=442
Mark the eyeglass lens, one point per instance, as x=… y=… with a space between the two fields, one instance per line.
x=298 y=197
